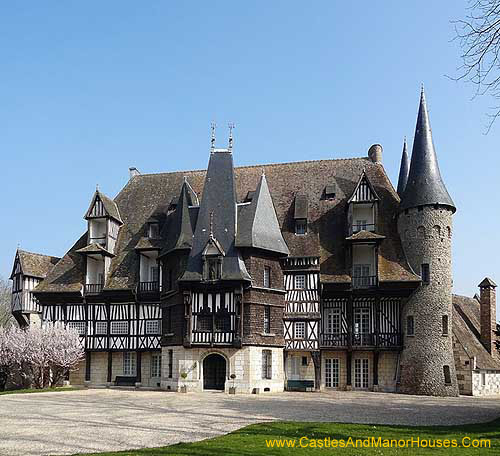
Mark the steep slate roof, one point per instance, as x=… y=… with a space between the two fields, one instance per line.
x=327 y=218
x=35 y=264
x=425 y=185
x=94 y=249
x=403 y=170
x=467 y=330
x=217 y=221
x=258 y=225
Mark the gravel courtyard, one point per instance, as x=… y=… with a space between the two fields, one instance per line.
x=100 y=420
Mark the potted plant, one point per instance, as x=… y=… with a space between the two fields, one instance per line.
x=232 y=389
x=184 y=386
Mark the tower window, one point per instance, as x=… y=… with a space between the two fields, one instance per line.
x=425 y=272
x=445 y=325
x=300 y=226
x=267 y=319
x=410 y=325
x=447 y=375
x=267 y=276
x=267 y=364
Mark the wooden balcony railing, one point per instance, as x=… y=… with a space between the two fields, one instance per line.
x=149 y=287
x=383 y=340
x=364 y=282
x=93 y=288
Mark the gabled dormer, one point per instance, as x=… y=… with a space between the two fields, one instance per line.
x=104 y=221
x=212 y=255
x=301 y=214
x=362 y=207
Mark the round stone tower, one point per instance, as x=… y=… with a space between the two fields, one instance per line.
x=425 y=228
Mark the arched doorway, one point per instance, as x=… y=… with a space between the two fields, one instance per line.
x=214 y=372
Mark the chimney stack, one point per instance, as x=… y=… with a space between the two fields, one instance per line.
x=488 y=314
x=133 y=171
x=375 y=153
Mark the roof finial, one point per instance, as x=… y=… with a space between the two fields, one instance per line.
x=213 y=126
x=211 y=224
x=96 y=187
x=231 y=126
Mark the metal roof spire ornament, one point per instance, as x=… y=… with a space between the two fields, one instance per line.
x=230 y=145
x=213 y=126
x=211 y=224
x=425 y=185
x=403 y=170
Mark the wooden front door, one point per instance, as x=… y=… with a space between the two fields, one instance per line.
x=214 y=372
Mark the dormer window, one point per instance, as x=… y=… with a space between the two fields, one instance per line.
x=301 y=226
x=153 y=230
x=213 y=268
x=213 y=254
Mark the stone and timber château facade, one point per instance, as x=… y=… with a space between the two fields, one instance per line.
x=299 y=276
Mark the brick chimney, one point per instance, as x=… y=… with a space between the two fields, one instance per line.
x=375 y=153
x=488 y=314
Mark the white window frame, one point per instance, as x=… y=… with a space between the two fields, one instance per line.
x=156 y=365
x=299 y=333
x=154 y=273
x=101 y=328
x=79 y=326
x=333 y=321
x=299 y=282
x=152 y=326
x=361 y=320
x=119 y=327
x=129 y=364
x=332 y=372
x=361 y=224
x=361 y=373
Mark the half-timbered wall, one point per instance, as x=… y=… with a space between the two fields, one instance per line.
x=119 y=327
x=113 y=228
x=213 y=318
x=23 y=299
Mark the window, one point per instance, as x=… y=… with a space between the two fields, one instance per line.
x=78 y=326
x=170 y=363
x=361 y=373
x=304 y=361
x=332 y=317
x=152 y=326
x=332 y=370
x=119 y=327
x=300 y=329
x=361 y=321
x=447 y=375
x=267 y=362
x=17 y=283
x=300 y=226
x=483 y=378
x=445 y=325
x=213 y=268
x=360 y=225
x=267 y=276
x=153 y=274
x=222 y=321
x=204 y=322
x=410 y=325
x=129 y=364
x=425 y=272
x=101 y=327
x=154 y=231
x=300 y=282
x=156 y=365
x=267 y=319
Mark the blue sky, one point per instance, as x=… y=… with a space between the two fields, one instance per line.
x=91 y=88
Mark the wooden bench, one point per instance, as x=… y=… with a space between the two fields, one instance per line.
x=123 y=380
x=300 y=385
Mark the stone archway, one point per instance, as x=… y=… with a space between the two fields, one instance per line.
x=214 y=372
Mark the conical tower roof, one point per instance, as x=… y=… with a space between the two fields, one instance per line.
x=403 y=170
x=425 y=185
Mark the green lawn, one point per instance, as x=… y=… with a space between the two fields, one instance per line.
x=251 y=440
x=44 y=390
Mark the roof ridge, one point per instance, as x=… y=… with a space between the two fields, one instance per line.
x=36 y=253
x=258 y=166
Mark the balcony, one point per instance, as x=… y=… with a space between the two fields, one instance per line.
x=149 y=287
x=363 y=282
x=363 y=340
x=92 y=288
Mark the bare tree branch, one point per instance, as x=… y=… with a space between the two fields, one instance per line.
x=479 y=37
x=6 y=318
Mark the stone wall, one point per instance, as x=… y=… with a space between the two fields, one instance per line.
x=463 y=368
x=245 y=363
x=426 y=237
